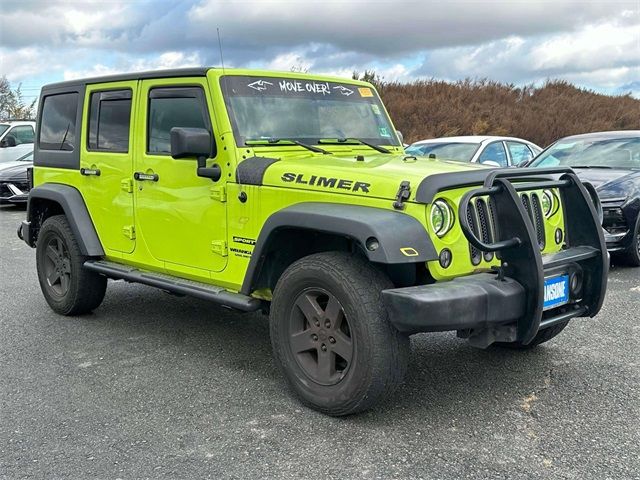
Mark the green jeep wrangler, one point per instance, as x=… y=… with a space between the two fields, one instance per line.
x=292 y=194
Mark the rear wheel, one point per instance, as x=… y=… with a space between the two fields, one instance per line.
x=331 y=336
x=67 y=287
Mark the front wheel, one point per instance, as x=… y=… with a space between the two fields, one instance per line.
x=331 y=336
x=632 y=254
x=67 y=287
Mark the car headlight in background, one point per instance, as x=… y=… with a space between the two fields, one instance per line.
x=441 y=217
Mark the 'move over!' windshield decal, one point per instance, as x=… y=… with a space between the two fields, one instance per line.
x=271 y=86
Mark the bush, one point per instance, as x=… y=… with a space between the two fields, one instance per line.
x=432 y=108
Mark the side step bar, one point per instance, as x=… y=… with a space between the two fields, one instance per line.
x=175 y=285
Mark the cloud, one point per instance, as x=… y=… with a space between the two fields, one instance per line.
x=520 y=41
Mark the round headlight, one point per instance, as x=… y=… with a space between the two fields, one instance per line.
x=441 y=217
x=548 y=202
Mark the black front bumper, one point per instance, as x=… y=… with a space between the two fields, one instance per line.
x=508 y=305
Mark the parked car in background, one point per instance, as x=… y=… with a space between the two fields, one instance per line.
x=610 y=161
x=487 y=150
x=16 y=132
x=14 y=179
x=11 y=154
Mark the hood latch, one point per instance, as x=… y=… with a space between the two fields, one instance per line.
x=404 y=191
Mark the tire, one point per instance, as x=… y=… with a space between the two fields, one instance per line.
x=631 y=256
x=541 y=337
x=67 y=287
x=331 y=336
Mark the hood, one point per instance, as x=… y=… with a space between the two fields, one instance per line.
x=608 y=182
x=378 y=175
x=14 y=171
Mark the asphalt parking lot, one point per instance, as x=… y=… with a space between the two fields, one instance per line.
x=155 y=386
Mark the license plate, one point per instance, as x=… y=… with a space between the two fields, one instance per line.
x=556 y=291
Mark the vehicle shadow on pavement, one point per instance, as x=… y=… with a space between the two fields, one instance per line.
x=445 y=373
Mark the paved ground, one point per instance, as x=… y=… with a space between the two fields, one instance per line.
x=153 y=386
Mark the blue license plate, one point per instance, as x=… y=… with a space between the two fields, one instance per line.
x=556 y=291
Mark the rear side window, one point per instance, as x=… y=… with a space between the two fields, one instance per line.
x=173 y=107
x=109 y=120
x=22 y=134
x=58 y=123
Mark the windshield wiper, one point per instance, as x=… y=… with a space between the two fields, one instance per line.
x=590 y=166
x=277 y=141
x=338 y=141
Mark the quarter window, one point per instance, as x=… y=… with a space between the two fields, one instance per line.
x=109 y=120
x=173 y=107
x=58 y=126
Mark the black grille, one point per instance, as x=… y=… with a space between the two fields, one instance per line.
x=482 y=216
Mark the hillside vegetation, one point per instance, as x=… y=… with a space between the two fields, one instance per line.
x=429 y=108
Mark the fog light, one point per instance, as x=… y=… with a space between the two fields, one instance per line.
x=445 y=258
x=372 y=244
x=559 y=236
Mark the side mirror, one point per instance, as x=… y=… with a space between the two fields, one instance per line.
x=195 y=142
x=191 y=142
x=522 y=164
x=8 y=141
x=400 y=136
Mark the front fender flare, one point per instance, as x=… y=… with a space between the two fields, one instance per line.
x=401 y=238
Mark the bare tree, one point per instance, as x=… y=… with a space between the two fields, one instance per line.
x=12 y=104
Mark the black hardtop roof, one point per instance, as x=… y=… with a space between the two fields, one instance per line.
x=174 y=72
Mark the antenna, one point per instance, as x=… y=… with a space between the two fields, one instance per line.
x=220 y=46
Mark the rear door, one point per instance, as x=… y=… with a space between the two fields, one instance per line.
x=106 y=163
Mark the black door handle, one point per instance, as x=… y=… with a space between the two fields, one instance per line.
x=90 y=172
x=150 y=177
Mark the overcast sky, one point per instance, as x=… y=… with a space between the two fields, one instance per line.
x=595 y=44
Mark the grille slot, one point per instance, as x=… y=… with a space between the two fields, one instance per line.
x=476 y=255
x=538 y=219
x=485 y=226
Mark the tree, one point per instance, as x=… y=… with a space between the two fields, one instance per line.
x=12 y=104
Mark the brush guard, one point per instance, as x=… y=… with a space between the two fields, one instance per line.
x=508 y=305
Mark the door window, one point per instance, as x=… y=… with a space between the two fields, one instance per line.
x=173 y=107
x=494 y=152
x=109 y=120
x=519 y=152
x=22 y=134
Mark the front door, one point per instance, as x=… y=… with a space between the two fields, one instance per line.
x=106 y=165
x=179 y=215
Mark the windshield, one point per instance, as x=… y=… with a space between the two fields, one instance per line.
x=460 y=152
x=3 y=128
x=263 y=108
x=612 y=153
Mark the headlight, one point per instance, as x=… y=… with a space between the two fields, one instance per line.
x=548 y=203
x=441 y=217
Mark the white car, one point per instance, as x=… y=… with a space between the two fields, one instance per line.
x=487 y=150
x=16 y=132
